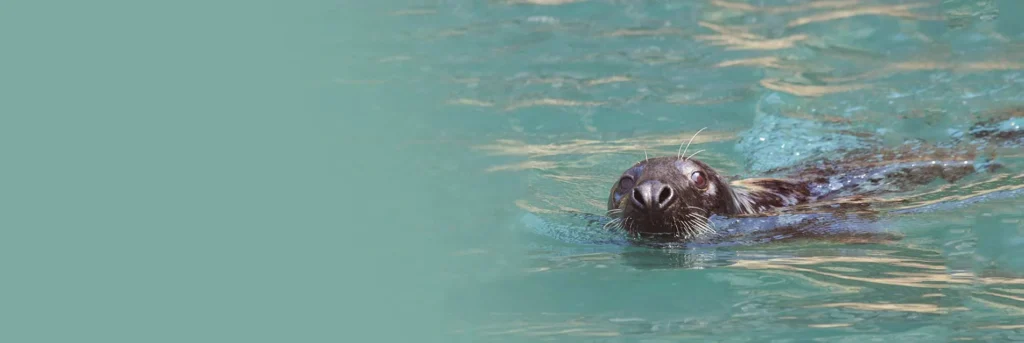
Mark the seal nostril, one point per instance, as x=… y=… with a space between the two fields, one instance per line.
x=638 y=198
x=664 y=195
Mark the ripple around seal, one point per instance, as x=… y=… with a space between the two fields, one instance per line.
x=775 y=141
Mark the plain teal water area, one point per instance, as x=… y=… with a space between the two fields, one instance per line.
x=319 y=171
x=192 y=171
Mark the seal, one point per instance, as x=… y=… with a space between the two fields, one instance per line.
x=675 y=196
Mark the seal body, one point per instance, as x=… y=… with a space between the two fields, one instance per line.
x=674 y=197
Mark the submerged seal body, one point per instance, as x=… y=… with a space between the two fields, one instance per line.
x=675 y=196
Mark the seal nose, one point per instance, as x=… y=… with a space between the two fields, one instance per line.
x=652 y=195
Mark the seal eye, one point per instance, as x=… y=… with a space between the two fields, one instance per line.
x=626 y=183
x=698 y=179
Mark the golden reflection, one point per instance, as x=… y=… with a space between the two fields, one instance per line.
x=892 y=68
x=471 y=102
x=835 y=288
x=608 y=80
x=596 y=147
x=900 y=11
x=1003 y=327
x=1004 y=296
x=731 y=31
x=764 y=62
x=902 y=262
x=1010 y=290
x=664 y=31
x=900 y=307
x=575 y=82
x=741 y=39
x=927 y=275
x=551 y=102
x=953 y=198
x=739 y=43
x=829 y=326
x=994 y=65
x=936 y=280
x=809 y=90
x=823 y=4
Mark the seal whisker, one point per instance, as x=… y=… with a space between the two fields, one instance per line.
x=681 y=154
x=713 y=226
x=611 y=223
x=698 y=216
x=695 y=154
x=697 y=208
x=689 y=229
x=702 y=223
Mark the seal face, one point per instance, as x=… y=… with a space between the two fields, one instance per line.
x=675 y=196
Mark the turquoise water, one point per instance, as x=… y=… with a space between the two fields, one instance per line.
x=540 y=107
x=403 y=170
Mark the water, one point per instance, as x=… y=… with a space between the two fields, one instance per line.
x=548 y=103
x=414 y=170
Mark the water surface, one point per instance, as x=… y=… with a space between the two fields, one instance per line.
x=541 y=104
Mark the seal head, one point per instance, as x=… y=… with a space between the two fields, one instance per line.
x=675 y=196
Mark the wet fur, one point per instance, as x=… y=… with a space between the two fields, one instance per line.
x=753 y=196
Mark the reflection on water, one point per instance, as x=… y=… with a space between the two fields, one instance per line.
x=864 y=290
x=569 y=93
